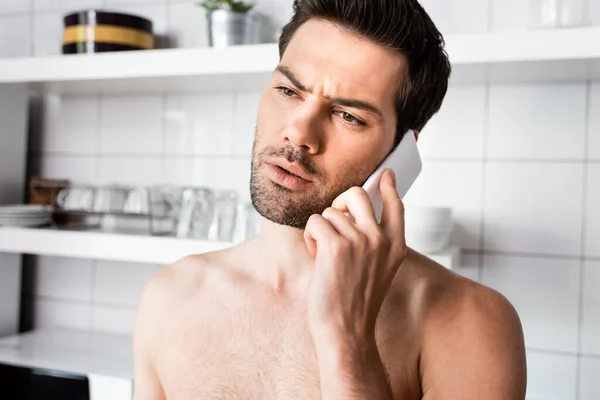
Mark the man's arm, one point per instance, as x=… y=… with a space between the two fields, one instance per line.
x=146 y=383
x=474 y=350
x=356 y=260
x=352 y=369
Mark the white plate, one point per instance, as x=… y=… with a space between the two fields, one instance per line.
x=28 y=209
x=24 y=224
x=26 y=220
x=36 y=216
x=24 y=215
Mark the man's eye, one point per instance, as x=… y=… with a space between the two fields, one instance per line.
x=286 y=91
x=351 y=119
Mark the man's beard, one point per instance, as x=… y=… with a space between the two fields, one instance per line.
x=285 y=207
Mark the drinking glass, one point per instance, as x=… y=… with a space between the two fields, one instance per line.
x=197 y=205
x=548 y=14
x=222 y=227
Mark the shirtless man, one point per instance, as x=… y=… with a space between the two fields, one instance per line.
x=318 y=306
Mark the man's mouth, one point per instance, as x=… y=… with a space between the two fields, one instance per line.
x=288 y=175
x=289 y=172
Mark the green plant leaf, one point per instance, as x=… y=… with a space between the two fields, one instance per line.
x=238 y=6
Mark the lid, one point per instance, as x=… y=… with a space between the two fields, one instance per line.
x=101 y=17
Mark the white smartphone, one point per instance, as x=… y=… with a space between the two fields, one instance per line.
x=405 y=161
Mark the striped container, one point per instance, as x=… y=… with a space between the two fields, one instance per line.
x=94 y=31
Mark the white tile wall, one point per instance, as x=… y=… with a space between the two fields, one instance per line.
x=71 y=124
x=132 y=125
x=179 y=170
x=154 y=10
x=118 y=283
x=534 y=207
x=15 y=36
x=457 y=184
x=64 y=278
x=551 y=377
x=537 y=122
x=589 y=379
x=187 y=24
x=278 y=12
x=117 y=320
x=48 y=33
x=531 y=206
x=15 y=6
x=65 y=5
x=200 y=124
x=449 y=16
x=131 y=171
x=223 y=174
x=592 y=212
x=244 y=122
x=79 y=169
x=62 y=314
x=457 y=131
x=509 y=15
x=591 y=309
x=544 y=292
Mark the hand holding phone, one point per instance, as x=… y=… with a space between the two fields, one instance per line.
x=355 y=258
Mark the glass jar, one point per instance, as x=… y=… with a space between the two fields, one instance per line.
x=548 y=14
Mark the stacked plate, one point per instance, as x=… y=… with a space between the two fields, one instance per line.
x=24 y=215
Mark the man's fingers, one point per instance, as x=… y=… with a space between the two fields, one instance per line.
x=392 y=216
x=341 y=222
x=318 y=230
x=356 y=201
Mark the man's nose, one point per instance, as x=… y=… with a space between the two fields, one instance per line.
x=305 y=130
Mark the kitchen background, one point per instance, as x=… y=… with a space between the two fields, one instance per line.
x=519 y=164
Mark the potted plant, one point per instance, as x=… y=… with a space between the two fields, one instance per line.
x=229 y=22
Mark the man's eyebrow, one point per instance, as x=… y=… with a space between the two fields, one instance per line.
x=360 y=104
x=282 y=69
x=353 y=103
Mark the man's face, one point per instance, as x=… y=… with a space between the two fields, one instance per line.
x=325 y=122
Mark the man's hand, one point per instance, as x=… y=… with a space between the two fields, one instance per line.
x=355 y=264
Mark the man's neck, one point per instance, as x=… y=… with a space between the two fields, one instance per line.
x=287 y=260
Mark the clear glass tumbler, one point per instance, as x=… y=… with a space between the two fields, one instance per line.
x=549 y=14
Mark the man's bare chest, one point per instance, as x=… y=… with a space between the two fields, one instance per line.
x=249 y=361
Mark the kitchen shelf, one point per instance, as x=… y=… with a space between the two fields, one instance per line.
x=99 y=245
x=546 y=55
x=70 y=351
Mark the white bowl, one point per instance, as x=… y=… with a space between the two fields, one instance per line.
x=428 y=241
x=420 y=217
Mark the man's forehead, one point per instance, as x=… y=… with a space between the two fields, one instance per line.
x=320 y=50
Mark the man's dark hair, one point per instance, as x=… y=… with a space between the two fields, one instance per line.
x=400 y=25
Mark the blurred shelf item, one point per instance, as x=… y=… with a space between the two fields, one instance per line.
x=100 y=245
x=448 y=257
x=129 y=247
x=103 y=359
x=533 y=56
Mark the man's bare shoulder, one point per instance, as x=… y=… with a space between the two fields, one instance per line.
x=470 y=332
x=189 y=282
x=191 y=276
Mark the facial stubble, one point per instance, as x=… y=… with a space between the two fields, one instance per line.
x=286 y=207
